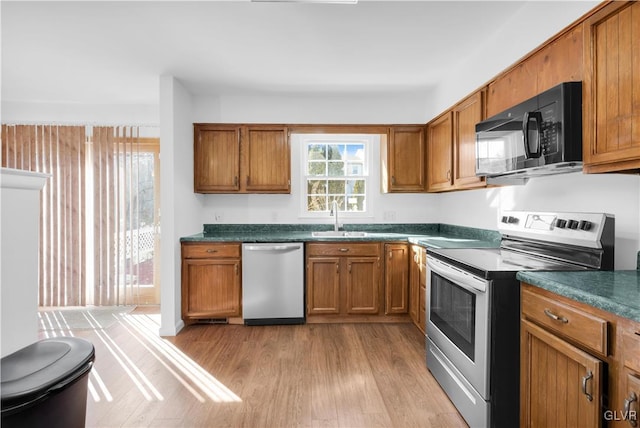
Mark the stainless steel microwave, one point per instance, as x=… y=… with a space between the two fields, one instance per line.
x=540 y=136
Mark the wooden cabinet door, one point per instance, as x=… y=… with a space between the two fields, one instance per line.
x=210 y=288
x=439 y=153
x=362 y=285
x=414 y=284
x=267 y=160
x=396 y=278
x=611 y=104
x=629 y=409
x=560 y=385
x=405 y=159
x=422 y=309
x=216 y=159
x=465 y=116
x=323 y=285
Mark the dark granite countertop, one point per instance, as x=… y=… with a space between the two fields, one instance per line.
x=427 y=235
x=617 y=292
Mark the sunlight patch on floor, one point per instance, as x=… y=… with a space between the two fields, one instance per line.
x=184 y=369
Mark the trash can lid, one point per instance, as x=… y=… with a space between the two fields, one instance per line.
x=36 y=369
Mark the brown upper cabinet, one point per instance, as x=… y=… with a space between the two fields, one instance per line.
x=439 y=153
x=403 y=160
x=465 y=116
x=559 y=60
x=451 y=146
x=241 y=159
x=611 y=88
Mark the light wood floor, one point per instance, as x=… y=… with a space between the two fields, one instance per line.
x=314 y=375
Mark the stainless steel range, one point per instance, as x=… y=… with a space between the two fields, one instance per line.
x=473 y=310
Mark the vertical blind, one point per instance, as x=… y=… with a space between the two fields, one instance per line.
x=90 y=209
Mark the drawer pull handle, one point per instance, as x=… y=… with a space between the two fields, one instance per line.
x=344 y=250
x=210 y=250
x=553 y=316
x=631 y=416
x=585 y=379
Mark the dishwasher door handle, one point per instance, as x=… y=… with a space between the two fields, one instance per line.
x=272 y=247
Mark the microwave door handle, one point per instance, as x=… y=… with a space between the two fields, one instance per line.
x=532 y=116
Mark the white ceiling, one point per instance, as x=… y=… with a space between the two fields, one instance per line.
x=114 y=52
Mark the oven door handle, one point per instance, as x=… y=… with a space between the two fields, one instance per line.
x=457 y=276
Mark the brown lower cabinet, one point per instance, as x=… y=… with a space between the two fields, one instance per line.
x=211 y=281
x=343 y=278
x=579 y=365
x=561 y=385
x=396 y=278
x=418 y=286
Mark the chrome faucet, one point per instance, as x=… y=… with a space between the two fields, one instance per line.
x=334 y=209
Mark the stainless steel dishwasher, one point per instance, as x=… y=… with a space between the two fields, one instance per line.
x=273 y=283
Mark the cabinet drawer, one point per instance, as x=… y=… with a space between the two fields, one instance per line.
x=572 y=323
x=344 y=249
x=631 y=350
x=210 y=251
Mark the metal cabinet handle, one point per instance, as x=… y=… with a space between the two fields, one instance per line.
x=631 y=416
x=393 y=180
x=390 y=255
x=449 y=175
x=553 y=316
x=211 y=250
x=344 y=250
x=585 y=379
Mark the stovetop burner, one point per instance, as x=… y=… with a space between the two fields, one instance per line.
x=493 y=263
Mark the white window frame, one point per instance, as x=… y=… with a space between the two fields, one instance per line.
x=368 y=141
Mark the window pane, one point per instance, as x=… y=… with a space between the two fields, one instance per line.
x=336 y=187
x=355 y=187
x=336 y=152
x=317 y=203
x=339 y=199
x=317 y=152
x=355 y=168
x=355 y=152
x=316 y=187
x=336 y=169
x=317 y=168
x=355 y=203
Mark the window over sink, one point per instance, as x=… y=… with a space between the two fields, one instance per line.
x=336 y=167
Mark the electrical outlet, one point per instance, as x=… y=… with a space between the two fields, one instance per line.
x=218 y=216
x=389 y=216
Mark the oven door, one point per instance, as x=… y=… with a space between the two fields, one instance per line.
x=458 y=321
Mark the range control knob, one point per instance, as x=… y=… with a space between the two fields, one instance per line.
x=584 y=225
x=512 y=219
x=560 y=223
x=572 y=224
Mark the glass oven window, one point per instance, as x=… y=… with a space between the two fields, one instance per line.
x=453 y=311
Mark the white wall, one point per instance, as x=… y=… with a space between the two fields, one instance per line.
x=180 y=206
x=82 y=114
x=334 y=109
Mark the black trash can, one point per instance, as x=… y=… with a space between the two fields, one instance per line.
x=45 y=384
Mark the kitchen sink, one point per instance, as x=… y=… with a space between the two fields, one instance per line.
x=338 y=234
